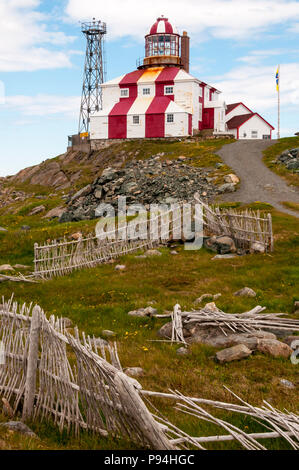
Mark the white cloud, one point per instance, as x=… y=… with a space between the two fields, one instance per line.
x=255 y=86
x=44 y=105
x=25 y=42
x=218 y=18
x=294 y=28
x=258 y=56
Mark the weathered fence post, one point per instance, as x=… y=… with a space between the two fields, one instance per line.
x=270 y=232
x=35 y=257
x=30 y=384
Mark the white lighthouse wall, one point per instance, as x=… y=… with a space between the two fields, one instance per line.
x=179 y=127
x=183 y=95
x=99 y=127
x=135 y=130
x=254 y=124
x=110 y=96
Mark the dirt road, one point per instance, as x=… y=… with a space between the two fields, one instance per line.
x=258 y=183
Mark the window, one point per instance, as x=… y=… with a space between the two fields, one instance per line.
x=124 y=92
x=135 y=119
x=170 y=118
x=200 y=91
x=200 y=112
x=254 y=134
x=168 y=90
x=207 y=94
x=146 y=91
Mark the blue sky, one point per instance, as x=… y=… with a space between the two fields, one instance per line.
x=235 y=46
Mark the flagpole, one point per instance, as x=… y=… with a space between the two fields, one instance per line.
x=278 y=118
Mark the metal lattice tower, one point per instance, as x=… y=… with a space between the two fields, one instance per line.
x=94 y=72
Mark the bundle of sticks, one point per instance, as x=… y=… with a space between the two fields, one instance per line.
x=246 y=322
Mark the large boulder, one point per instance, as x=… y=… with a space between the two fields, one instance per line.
x=235 y=353
x=221 y=244
x=274 y=348
x=245 y=292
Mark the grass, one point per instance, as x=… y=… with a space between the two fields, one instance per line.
x=100 y=298
x=271 y=153
x=291 y=205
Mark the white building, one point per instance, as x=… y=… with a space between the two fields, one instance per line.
x=161 y=98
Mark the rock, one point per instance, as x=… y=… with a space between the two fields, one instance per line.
x=287 y=383
x=37 y=210
x=227 y=188
x=20 y=427
x=228 y=256
x=173 y=252
x=2 y=229
x=165 y=331
x=56 y=212
x=245 y=292
x=219 y=165
x=296 y=306
x=234 y=353
x=289 y=340
x=76 y=236
x=221 y=245
x=183 y=351
x=6 y=267
x=274 y=348
x=108 y=333
x=211 y=307
x=231 y=178
x=153 y=253
x=98 y=193
x=280 y=333
x=120 y=267
x=25 y=227
x=257 y=247
x=134 y=371
x=143 y=312
x=82 y=192
x=21 y=266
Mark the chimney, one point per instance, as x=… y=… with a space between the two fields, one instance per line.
x=185 y=51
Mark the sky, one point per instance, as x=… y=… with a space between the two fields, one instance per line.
x=235 y=46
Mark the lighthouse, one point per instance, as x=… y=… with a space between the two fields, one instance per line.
x=165 y=47
x=160 y=98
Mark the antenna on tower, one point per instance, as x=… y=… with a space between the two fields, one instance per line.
x=94 y=71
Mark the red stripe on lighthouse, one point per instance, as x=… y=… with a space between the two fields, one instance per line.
x=117 y=119
x=155 y=117
x=165 y=78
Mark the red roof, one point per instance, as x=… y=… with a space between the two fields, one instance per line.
x=162 y=25
x=238 y=121
x=232 y=106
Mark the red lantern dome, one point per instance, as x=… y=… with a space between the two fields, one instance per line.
x=163 y=26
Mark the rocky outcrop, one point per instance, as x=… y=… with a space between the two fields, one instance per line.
x=144 y=182
x=290 y=159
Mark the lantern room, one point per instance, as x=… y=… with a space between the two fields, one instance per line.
x=162 y=45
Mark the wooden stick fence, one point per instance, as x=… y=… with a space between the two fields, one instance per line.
x=244 y=227
x=60 y=258
x=91 y=394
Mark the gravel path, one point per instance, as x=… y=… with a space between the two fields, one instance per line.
x=258 y=183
